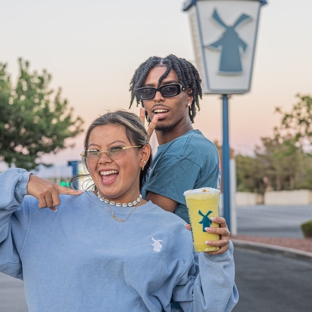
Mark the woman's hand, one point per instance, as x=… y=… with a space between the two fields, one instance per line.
x=47 y=192
x=152 y=124
x=224 y=233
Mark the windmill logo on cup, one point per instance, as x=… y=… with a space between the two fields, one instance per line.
x=206 y=222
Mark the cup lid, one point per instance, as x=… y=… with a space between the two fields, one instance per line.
x=202 y=190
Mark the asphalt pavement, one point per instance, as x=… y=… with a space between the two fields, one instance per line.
x=12 y=297
x=272 y=282
x=272 y=221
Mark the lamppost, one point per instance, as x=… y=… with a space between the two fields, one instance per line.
x=224 y=34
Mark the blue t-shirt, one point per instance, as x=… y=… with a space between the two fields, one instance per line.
x=188 y=162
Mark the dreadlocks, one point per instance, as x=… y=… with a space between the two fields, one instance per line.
x=187 y=74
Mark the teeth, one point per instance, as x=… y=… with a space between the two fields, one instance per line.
x=156 y=111
x=105 y=173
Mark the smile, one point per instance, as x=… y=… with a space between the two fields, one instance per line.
x=106 y=173
x=160 y=111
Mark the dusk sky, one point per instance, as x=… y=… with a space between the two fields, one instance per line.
x=92 y=48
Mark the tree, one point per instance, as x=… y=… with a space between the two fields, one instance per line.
x=250 y=175
x=280 y=159
x=33 y=119
x=298 y=122
x=281 y=162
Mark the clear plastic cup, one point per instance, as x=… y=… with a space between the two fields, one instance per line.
x=202 y=204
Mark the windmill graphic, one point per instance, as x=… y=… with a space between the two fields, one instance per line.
x=230 y=45
x=206 y=222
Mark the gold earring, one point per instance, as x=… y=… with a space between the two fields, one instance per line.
x=144 y=162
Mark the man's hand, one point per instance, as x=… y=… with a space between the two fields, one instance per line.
x=152 y=124
x=47 y=192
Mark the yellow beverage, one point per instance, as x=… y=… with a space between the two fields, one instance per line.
x=203 y=204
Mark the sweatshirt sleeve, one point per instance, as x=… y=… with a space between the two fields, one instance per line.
x=214 y=288
x=13 y=188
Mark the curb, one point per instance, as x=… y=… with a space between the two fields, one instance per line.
x=284 y=251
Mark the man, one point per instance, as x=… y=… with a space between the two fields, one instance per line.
x=169 y=89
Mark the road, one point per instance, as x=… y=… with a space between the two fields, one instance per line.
x=272 y=283
x=12 y=297
x=274 y=221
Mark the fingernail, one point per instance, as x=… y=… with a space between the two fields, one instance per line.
x=213 y=218
x=208 y=229
x=208 y=242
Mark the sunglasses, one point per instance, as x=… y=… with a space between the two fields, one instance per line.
x=170 y=90
x=114 y=153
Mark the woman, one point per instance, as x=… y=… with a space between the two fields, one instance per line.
x=106 y=249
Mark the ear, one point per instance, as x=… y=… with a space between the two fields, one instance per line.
x=189 y=93
x=145 y=154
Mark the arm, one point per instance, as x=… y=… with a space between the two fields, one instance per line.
x=214 y=288
x=13 y=188
x=15 y=184
x=162 y=201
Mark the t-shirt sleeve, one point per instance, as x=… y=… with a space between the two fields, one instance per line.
x=172 y=176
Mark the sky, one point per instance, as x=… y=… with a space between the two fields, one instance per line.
x=93 y=47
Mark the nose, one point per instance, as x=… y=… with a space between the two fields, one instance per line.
x=104 y=159
x=158 y=97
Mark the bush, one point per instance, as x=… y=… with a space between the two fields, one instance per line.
x=307 y=229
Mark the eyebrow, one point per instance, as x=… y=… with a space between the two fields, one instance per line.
x=163 y=83
x=116 y=141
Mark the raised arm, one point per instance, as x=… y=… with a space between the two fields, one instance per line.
x=15 y=184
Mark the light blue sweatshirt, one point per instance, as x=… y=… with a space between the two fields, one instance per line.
x=80 y=259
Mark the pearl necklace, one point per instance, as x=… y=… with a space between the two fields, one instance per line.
x=112 y=203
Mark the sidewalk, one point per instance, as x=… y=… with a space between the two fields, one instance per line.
x=300 y=248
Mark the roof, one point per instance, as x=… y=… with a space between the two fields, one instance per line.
x=189 y=3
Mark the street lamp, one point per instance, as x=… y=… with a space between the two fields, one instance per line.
x=224 y=34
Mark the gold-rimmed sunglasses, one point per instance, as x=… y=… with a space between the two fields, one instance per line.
x=114 y=152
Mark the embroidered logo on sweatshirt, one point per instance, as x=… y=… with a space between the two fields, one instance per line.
x=156 y=244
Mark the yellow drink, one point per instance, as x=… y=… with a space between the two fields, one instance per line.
x=203 y=204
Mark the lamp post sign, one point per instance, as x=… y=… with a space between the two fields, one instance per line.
x=224 y=34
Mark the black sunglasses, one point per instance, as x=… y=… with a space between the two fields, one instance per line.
x=170 y=90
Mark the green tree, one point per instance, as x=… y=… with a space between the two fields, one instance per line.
x=280 y=159
x=34 y=120
x=298 y=122
x=250 y=174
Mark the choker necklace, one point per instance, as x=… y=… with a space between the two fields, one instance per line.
x=112 y=203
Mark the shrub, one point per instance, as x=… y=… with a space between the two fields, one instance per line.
x=306 y=228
